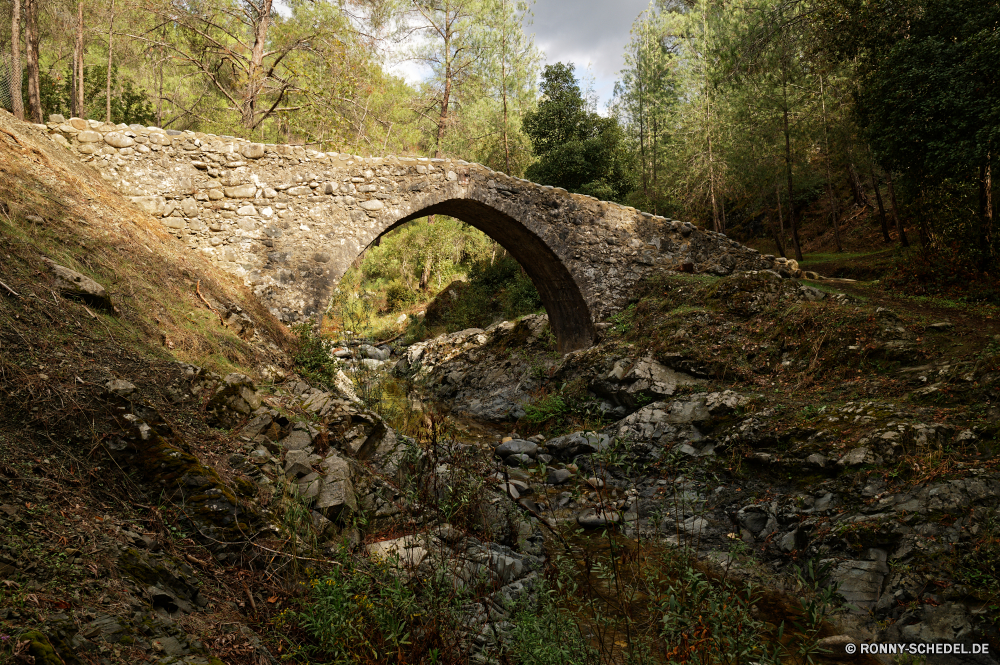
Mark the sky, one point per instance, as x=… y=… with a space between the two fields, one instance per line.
x=584 y=32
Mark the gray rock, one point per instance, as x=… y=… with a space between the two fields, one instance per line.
x=596 y=518
x=818 y=459
x=860 y=582
x=252 y=150
x=118 y=140
x=753 y=518
x=518 y=459
x=120 y=387
x=578 y=443
x=558 y=476
x=336 y=499
x=517 y=446
x=297 y=440
x=948 y=623
x=859 y=457
x=241 y=191
x=74 y=284
x=794 y=540
x=168 y=646
x=373 y=352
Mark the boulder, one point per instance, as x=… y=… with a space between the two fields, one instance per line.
x=569 y=446
x=336 y=499
x=76 y=285
x=517 y=446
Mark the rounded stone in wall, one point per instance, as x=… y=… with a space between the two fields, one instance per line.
x=118 y=140
x=190 y=207
x=241 y=191
x=88 y=137
x=252 y=150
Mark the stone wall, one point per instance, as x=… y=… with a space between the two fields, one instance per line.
x=290 y=221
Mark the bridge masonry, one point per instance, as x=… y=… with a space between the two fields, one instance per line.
x=290 y=221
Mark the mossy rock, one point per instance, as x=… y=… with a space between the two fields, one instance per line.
x=41 y=649
x=161 y=457
x=245 y=488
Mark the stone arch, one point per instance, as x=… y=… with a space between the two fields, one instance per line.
x=569 y=314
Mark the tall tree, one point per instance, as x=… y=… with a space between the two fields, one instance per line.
x=577 y=148
x=645 y=97
x=230 y=47
x=31 y=38
x=452 y=46
x=77 y=91
x=111 y=51
x=17 y=103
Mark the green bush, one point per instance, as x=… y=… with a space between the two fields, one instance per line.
x=360 y=612
x=398 y=296
x=312 y=357
x=498 y=289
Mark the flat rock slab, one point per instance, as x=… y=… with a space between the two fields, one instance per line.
x=597 y=519
x=77 y=285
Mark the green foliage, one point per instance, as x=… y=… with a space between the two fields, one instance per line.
x=312 y=357
x=546 y=635
x=569 y=408
x=129 y=102
x=497 y=289
x=361 y=611
x=704 y=621
x=577 y=149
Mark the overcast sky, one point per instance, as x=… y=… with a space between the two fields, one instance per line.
x=584 y=32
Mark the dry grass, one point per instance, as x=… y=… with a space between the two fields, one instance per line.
x=53 y=206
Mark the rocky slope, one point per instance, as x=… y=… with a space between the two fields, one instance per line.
x=766 y=422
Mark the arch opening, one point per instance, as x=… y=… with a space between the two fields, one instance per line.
x=569 y=314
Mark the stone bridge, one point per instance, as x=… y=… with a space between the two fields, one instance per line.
x=290 y=221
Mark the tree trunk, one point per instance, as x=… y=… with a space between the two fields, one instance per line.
x=881 y=209
x=856 y=188
x=425 y=276
x=75 y=106
x=656 y=184
x=835 y=215
x=255 y=73
x=80 y=71
x=780 y=237
x=159 y=95
x=31 y=39
x=986 y=216
x=791 y=190
x=443 y=120
x=16 y=100
x=895 y=214
x=111 y=35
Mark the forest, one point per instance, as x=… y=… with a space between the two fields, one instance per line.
x=816 y=126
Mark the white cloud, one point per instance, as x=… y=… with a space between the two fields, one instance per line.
x=584 y=32
x=589 y=33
